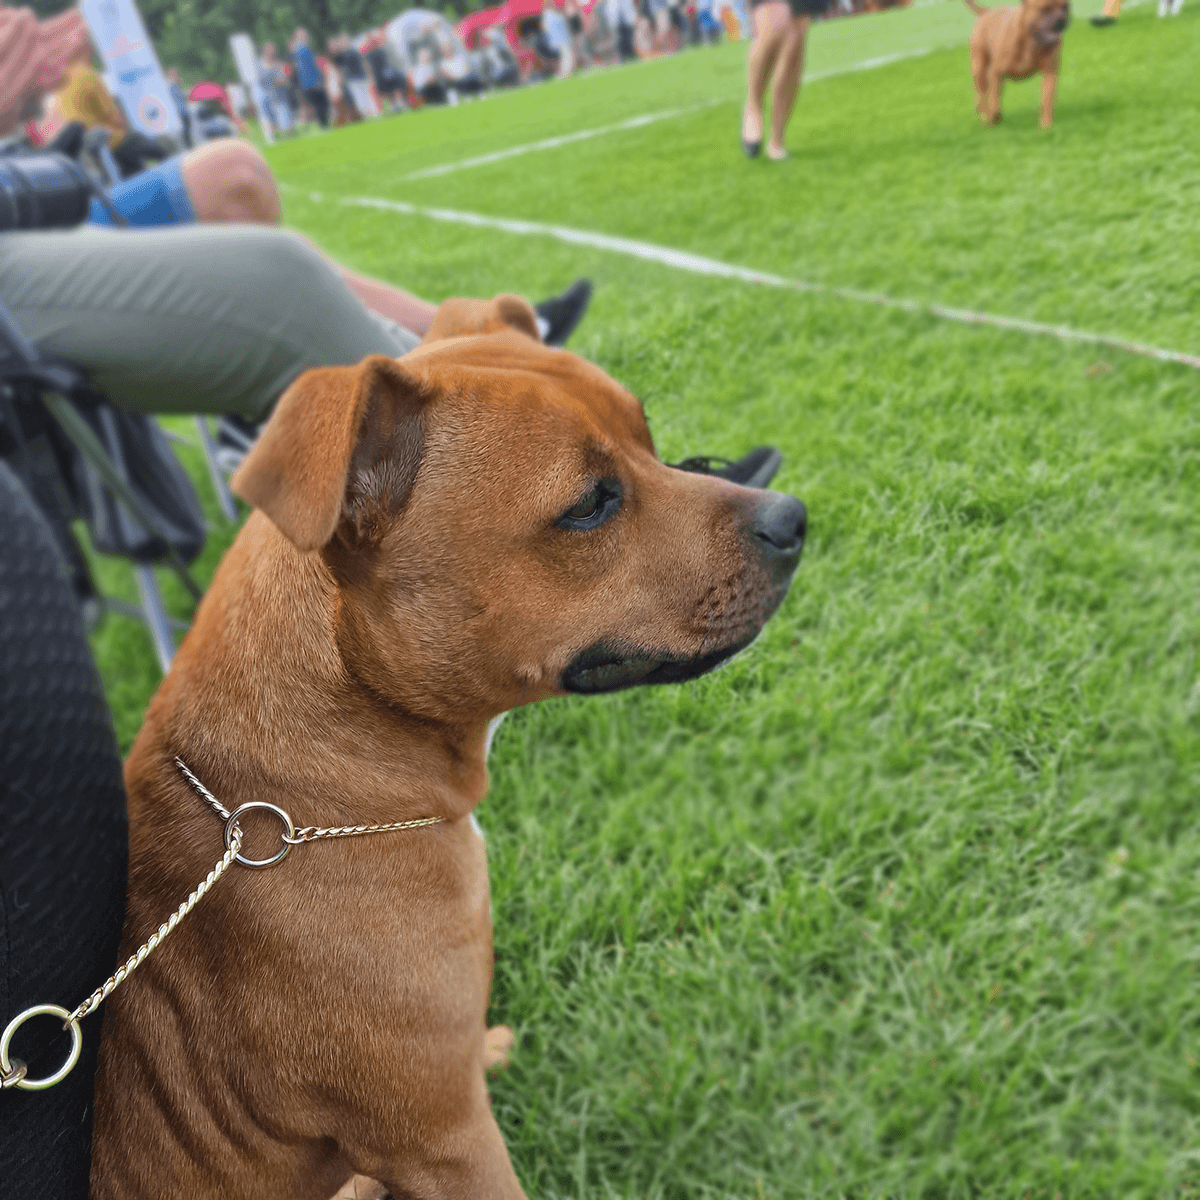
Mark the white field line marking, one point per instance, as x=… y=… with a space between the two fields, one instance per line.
x=552 y=143
x=584 y=135
x=696 y=264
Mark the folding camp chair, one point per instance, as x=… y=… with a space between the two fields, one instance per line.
x=80 y=458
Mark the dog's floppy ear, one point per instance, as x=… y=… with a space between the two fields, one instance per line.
x=460 y=318
x=343 y=442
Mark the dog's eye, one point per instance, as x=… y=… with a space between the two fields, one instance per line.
x=594 y=507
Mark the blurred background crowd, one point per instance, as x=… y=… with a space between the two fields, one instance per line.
x=331 y=67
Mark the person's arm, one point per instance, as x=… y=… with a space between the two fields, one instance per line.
x=34 y=57
x=19 y=65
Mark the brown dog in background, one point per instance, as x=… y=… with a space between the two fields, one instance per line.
x=439 y=539
x=1014 y=43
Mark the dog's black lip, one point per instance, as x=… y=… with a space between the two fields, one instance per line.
x=608 y=666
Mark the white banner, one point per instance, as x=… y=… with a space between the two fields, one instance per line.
x=129 y=58
x=246 y=61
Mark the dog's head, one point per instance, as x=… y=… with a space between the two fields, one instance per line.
x=1047 y=20
x=500 y=528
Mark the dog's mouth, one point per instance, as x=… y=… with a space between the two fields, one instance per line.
x=1052 y=34
x=609 y=667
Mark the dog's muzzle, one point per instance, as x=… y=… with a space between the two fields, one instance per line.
x=776 y=532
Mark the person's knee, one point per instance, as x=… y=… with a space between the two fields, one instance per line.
x=771 y=20
x=229 y=180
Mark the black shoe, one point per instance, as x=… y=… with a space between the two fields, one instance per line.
x=755 y=469
x=563 y=313
x=751 y=149
x=1101 y=22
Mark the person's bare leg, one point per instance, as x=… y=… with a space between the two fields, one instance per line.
x=771 y=21
x=788 y=69
x=392 y=302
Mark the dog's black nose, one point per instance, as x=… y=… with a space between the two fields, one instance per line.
x=779 y=526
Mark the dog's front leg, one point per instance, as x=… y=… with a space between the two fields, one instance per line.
x=1049 y=93
x=473 y=1162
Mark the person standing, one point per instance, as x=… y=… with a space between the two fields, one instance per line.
x=556 y=34
x=573 y=15
x=780 y=32
x=354 y=75
x=622 y=16
x=309 y=77
x=272 y=79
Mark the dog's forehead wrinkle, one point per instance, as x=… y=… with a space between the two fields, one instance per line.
x=520 y=392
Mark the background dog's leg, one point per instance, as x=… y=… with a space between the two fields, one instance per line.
x=979 y=71
x=995 y=92
x=1049 y=92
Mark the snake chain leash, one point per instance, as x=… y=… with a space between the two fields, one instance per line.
x=13 y=1073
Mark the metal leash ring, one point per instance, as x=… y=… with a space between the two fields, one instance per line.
x=15 y=1077
x=289 y=833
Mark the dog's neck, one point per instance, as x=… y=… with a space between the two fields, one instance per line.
x=260 y=704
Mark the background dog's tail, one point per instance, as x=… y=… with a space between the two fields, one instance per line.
x=977 y=9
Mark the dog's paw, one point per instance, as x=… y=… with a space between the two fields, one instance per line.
x=497 y=1042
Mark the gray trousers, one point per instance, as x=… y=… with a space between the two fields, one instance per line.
x=194 y=318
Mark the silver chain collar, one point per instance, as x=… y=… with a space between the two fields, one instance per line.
x=13 y=1071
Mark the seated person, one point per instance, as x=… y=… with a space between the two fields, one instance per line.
x=600 y=37
x=424 y=79
x=502 y=66
x=532 y=37
x=456 y=69
x=389 y=80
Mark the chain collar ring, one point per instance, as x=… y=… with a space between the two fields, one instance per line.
x=231 y=823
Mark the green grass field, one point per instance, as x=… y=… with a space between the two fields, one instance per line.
x=903 y=902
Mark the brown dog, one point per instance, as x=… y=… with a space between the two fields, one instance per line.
x=478 y=525
x=1015 y=43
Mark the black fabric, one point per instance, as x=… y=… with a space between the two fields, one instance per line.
x=802 y=8
x=318 y=97
x=351 y=64
x=625 y=42
x=66 y=487
x=63 y=846
x=135 y=152
x=563 y=313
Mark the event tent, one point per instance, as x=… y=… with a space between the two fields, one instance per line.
x=510 y=15
x=417 y=27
